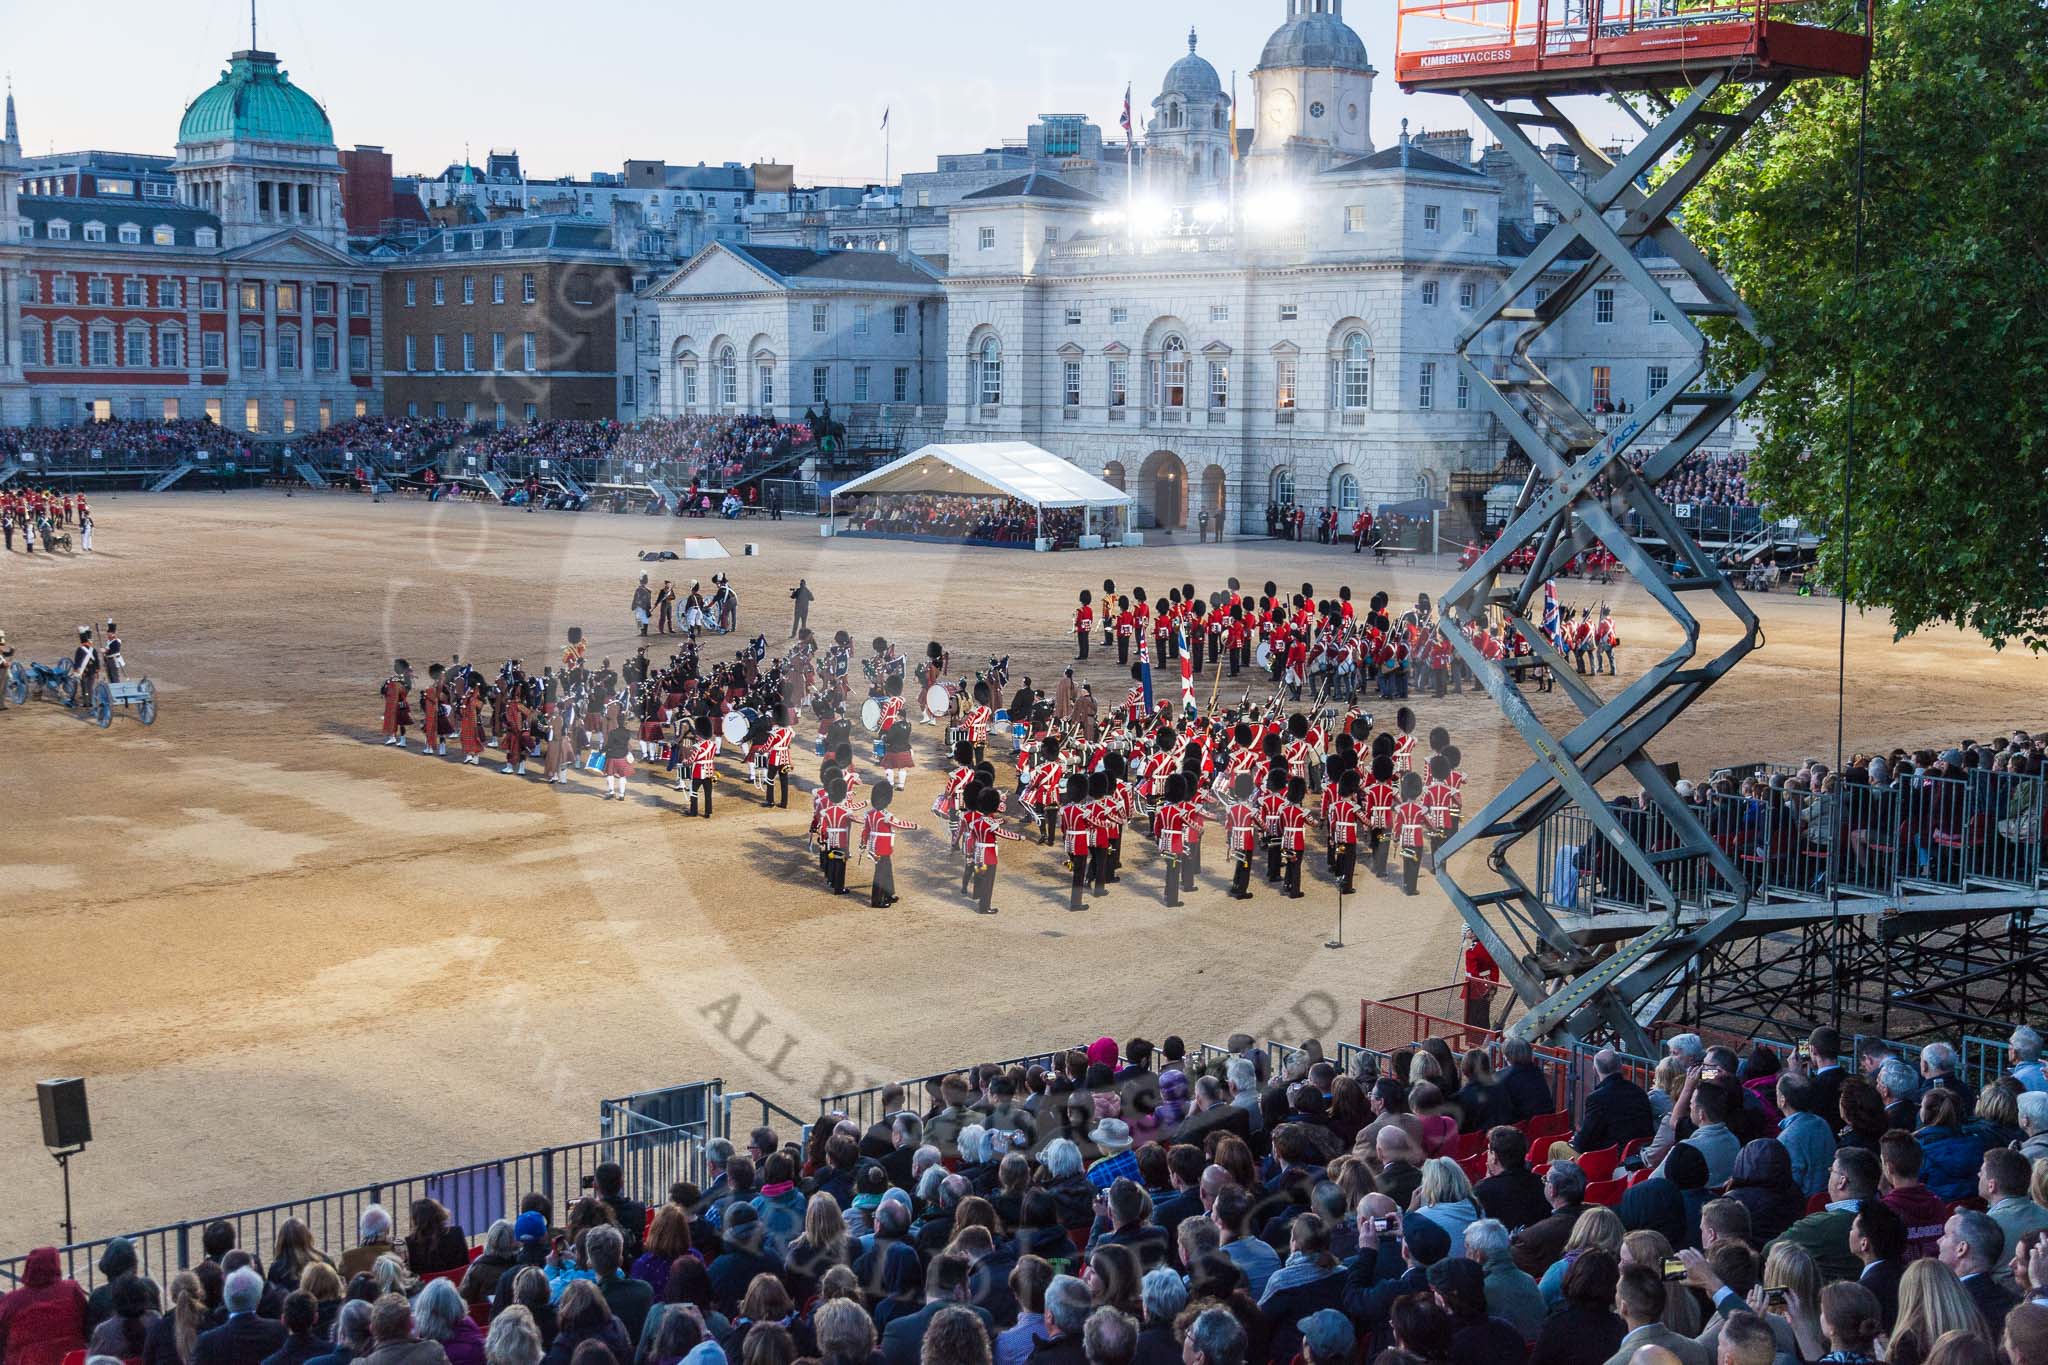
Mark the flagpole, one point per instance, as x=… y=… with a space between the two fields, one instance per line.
x=1233 y=150
x=1130 y=174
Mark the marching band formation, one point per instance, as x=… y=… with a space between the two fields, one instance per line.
x=1296 y=761
x=41 y=516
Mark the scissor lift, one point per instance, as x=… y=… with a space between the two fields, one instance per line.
x=1708 y=70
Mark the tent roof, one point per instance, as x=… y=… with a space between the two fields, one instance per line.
x=1014 y=469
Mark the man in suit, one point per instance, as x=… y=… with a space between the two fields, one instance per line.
x=945 y=1284
x=245 y=1338
x=1639 y=1298
x=1938 y=1071
x=1209 y=1111
x=1528 y=1088
x=1878 y=1239
x=1067 y=1304
x=1972 y=1246
x=1511 y=1192
x=1616 y=1112
x=1825 y=1070
x=1540 y=1245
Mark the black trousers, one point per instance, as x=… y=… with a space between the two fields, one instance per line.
x=1241 y=876
x=1123 y=651
x=1191 y=864
x=884 y=889
x=835 y=871
x=1411 y=868
x=1195 y=652
x=1113 y=862
x=768 y=787
x=1293 y=873
x=1080 y=866
x=1347 y=866
x=1172 y=880
x=1082 y=637
x=1381 y=844
x=984 y=888
x=705 y=787
x=1273 y=860
x=1098 y=870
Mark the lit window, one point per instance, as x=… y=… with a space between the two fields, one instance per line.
x=252 y=415
x=163 y=236
x=252 y=298
x=1354 y=218
x=1284 y=386
x=1174 y=374
x=287 y=298
x=1603 y=386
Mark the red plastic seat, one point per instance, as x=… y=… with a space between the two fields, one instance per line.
x=74 y=1358
x=1474 y=1167
x=1469 y=1144
x=1606 y=1192
x=1548 y=1126
x=1640 y=1176
x=1817 y=1203
x=480 y=1314
x=1599 y=1166
x=1632 y=1146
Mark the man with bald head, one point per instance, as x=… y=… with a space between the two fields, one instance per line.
x=1616 y=1112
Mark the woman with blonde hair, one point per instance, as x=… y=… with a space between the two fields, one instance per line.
x=1598 y=1229
x=1792 y=1269
x=1445 y=1198
x=821 y=1245
x=323 y=1282
x=1646 y=1247
x=291 y=1253
x=1932 y=1303
x=173 y=1337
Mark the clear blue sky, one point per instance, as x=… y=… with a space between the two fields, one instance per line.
x=581 y=85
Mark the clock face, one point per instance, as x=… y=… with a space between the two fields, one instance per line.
x=1316 y=110
x=1351 y=115
x=1280 y=111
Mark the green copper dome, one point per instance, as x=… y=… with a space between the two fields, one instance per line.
x=256 y=102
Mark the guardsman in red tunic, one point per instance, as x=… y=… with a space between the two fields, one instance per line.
x=988 y=834
x=948 y=802
x=1171 y=826
x=835 y=827
x=1377 y=799
x=1241 y=831
x=775 y=757
x=397 y=714
x=1404 y=742
x=1042 y=787
x=1084 y=623
x=1605 y=638
x=433 y=740
x=1272 y=803
x=1343 y=827
x=472 y=723
x=1442 y=801
x=1197 y=819
x=1411 y=830
x=979 y=718
x=1126 y=627
x=1294 y=834
x=701 y=767
x=1077 y=833
x=878 y=831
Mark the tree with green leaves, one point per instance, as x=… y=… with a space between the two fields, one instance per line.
x=1945 y=333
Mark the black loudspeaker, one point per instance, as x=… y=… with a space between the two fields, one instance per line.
x=66 y=1123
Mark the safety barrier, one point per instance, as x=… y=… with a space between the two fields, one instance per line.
x=864 y=1106
x=475 y=1195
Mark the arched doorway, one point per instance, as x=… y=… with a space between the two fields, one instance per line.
x=1163 y=490
x=1213 y=496
x=1113 y=474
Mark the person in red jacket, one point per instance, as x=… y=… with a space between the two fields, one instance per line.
x=44 y=1320
x=1084 y=622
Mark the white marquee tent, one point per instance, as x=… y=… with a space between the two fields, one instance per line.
x=1012 y=469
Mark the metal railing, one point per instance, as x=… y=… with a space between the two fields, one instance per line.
x=475 y=1194
x=864 y=1106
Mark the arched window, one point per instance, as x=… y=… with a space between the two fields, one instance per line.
x=728 y=378
x=1173 y=116
x=1176 y=373
x=1283 y=485
x=1357 y=377
x=1344 y=491
x=990 y=365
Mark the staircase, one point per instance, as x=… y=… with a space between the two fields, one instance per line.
x=495 y=484
x=668 y=496
x=568 y=482
x=8 y=471
x=171 y=477
x=312 y=476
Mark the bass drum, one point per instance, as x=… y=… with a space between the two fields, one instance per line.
x=1263 y=655
x=737 y=725
x=938 y=700
x=871 y=715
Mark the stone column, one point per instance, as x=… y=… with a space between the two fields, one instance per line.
x=270 y=330
x=233 y=347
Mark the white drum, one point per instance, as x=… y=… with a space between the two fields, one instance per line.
x=938 y=700
x=736 y=725
x=871 y=715
x=1263 y=655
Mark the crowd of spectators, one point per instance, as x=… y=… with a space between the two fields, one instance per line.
x=712 y=452
x=1710 y=479
x=1126 y=1206
x=512 y=448
x=397 y=438
x=154 y=441
x=999 y=520
x=1901 y=813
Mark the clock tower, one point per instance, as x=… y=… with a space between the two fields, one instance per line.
x=1314 y=89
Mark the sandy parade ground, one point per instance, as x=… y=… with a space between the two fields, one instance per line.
x=291 y=959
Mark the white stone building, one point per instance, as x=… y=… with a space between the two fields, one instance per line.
x=1293 y=338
